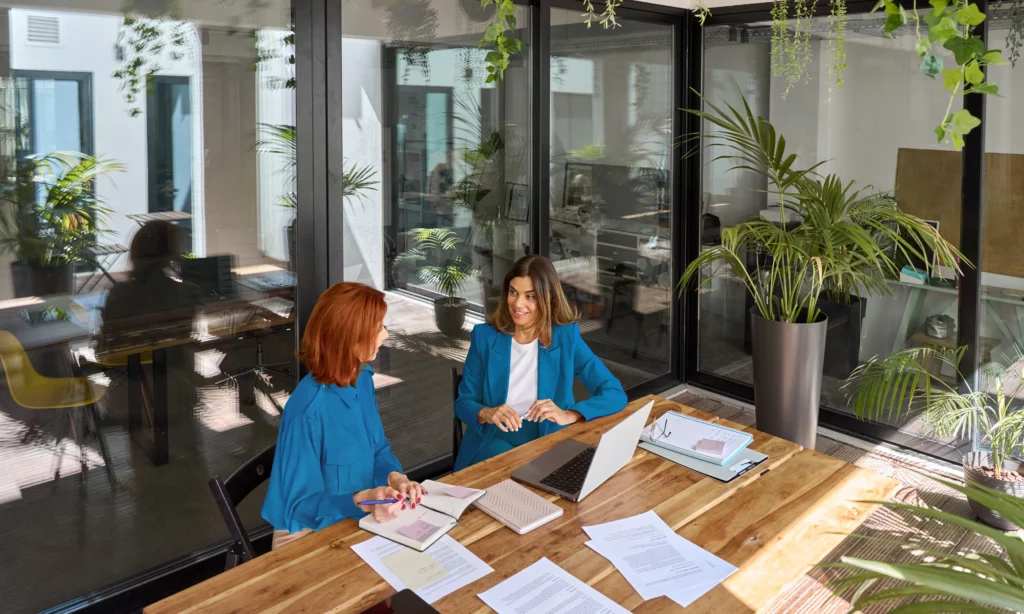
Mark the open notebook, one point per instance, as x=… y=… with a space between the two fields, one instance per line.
x=435 y=515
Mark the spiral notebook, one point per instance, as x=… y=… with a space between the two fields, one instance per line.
x=517 y=507
x=436 y=514
x=686 y=435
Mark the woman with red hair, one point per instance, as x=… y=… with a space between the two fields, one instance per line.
x=331 y=450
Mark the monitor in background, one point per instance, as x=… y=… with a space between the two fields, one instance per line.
x=212 y=274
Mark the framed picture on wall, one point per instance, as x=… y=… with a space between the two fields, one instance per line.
x=517 y=206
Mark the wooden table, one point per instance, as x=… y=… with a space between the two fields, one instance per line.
x=773 y=524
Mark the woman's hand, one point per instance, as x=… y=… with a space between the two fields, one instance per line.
x=412 y=491
x=502 y=416
x=382 y=512
x=547 y=410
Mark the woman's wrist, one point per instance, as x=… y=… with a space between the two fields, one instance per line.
x=481 y=416
x=577 y=416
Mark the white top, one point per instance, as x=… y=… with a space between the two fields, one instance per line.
x=522 y=379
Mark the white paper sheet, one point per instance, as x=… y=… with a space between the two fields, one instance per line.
x=546 y=588
x=655 y=560
x=462 y=566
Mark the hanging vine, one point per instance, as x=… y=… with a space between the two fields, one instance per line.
x=606 y=18
x=836 y=45
x=142 y=44
x=1015 y=37
x=411 y=23
x=780 y=37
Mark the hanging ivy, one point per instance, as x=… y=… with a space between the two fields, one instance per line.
x=504 y=47
x=142 y=43
x=1016 y=34
x=411 y=23
x=791 y=52
x=836 y=44
x=606 y=18
x=950 y=25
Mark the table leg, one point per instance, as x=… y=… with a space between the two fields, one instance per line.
x=155 y=447
x=161 y=453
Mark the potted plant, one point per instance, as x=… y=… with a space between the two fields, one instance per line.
x=51 y=219
x=910 y=383
x=973 y=581
x=446 y=270
x=280 y=139
x=871 y=234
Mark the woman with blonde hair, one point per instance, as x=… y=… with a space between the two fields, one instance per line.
x=517 y=381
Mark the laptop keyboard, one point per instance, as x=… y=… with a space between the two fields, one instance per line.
x=570 y=476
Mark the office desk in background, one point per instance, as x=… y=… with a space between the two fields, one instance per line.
x=773 y=525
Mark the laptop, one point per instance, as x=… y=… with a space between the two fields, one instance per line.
x=573 y=470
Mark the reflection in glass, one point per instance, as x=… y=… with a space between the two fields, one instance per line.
x=610 y=198
x=146 y=289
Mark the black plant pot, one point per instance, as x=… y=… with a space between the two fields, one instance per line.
x=842 y=343
x=290 y=238
x=449 y=318
x=787 y=377
x=973 y=474
x=31 y=280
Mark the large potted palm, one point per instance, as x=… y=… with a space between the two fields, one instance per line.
x=51 y=216
x=435 y=254
x=828 y=237
x=909 y=383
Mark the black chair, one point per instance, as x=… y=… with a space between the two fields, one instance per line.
x=456 y=423
x=229 y=493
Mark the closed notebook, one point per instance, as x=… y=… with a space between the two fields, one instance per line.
x=703 y=440
x=517 y=507
x=435 y=515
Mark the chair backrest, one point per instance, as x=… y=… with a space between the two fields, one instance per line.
x=456 y=423
x=21 y=375
x=229 y=493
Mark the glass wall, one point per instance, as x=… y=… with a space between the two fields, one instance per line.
x=1002 y=264
x=889 y=149
x=146 y=288
x=444 y=206
x=611 y=187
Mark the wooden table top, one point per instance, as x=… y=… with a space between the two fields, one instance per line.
x=773 y=525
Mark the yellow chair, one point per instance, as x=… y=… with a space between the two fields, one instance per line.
x=34 y=391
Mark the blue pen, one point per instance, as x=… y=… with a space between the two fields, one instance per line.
x=379 y=502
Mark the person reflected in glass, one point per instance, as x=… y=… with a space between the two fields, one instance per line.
x=518 y=377
x=152 y=304
x=332 y=453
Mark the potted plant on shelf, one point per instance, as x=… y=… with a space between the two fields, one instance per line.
x=972 y=581
x=826 y=237
x=51 y=216
x=446 y=270
x=909 y=383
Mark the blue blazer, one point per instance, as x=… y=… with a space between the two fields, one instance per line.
x=331 y=445
x=485 y=382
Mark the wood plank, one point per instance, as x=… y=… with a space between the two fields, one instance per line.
x=771 y=523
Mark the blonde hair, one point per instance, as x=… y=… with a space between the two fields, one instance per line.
x=553 y=308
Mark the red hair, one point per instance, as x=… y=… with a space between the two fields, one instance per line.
x=342 y=332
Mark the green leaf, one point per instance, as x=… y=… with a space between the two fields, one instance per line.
x=951 y=78
x=973 y=73
x=875 y=8
x=985 y=88
x=970 y=15
x=931 y=64
x=892 y=23
x=943 y=31
x=940 y=131
x=891 y=8
x=964 y=122
x=939 y=5
x=958 y=141
x=932 y=19
x=921 y=47
x=965 y=49
x=993 y=58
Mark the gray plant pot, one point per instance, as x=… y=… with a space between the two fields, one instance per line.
x=972 y=463
x=29 y=280
x=788 y=361
x=450 y=318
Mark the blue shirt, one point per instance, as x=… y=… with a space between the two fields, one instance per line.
x=331 y=445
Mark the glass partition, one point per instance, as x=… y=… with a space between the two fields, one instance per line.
x=147 y=286
x=884 y=148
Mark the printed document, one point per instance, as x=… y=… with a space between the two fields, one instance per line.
x=443 y=568
x=656 y=561
x=546 y=588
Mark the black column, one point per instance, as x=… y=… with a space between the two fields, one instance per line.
x=540 y=103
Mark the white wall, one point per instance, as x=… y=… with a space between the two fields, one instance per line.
x=87 y=45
